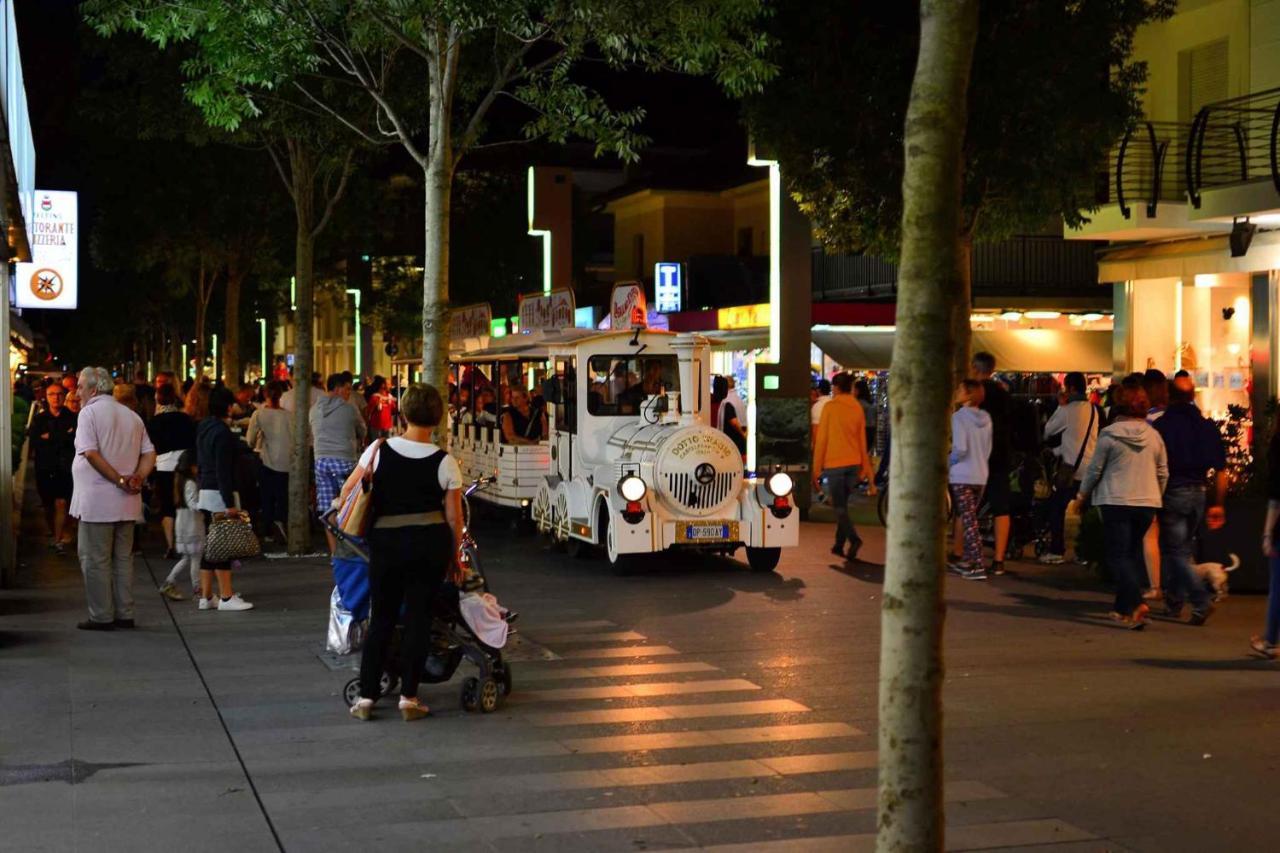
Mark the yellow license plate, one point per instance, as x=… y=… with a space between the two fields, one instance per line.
x=706 y=531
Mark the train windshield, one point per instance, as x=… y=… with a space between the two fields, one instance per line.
x=619 y=384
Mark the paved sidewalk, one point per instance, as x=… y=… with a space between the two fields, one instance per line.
x=696 y=705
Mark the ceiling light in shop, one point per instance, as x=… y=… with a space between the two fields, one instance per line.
x=1206 y=280
x=1011 y=316
x=1043 y=315
x=981 y=318
x=1091 y=318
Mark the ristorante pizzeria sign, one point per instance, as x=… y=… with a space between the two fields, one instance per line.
x=51 y=279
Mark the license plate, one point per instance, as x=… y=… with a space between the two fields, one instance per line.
x=706 y=532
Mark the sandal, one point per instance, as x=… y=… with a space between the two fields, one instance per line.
x=412 y=709
x=363 y=709
x=1262 y=648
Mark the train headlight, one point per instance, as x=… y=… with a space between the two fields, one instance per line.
x=632 y=488
x=780 y=484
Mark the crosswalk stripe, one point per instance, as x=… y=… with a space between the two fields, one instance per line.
x=667 y=712
x=651 y=774
x=714 y=737
x=581 y=625
x=620 y=652
x=624 y=691
x=977 y=836
x=455 y=831
x=577 y=637
x=621 y=671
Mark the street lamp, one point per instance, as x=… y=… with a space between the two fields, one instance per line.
x=216 y=373
x=293 y=293
x=355 y=294
x=186 y=364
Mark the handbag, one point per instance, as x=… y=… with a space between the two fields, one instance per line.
x=356 y=513
x=1065 y=476
x=230 y=537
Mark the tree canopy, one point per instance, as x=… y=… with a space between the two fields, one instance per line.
x=1053 y=85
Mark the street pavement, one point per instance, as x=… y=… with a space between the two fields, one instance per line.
x=694 y=704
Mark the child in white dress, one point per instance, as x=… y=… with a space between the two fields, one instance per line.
x=188 y=529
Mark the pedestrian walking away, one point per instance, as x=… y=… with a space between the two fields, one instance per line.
x=997 y=403
x=114 y=456
x=189 y=529
x=971 y=436
x=1126 y=479
x=1077 y=424
x=413 y=544
x=216 y=450
x=840 y=455
x=173 y=433
x=338 y=431
x=270 y=433
x=53 y=436
x=1194 y=447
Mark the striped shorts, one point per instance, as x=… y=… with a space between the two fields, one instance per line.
x=330 y=475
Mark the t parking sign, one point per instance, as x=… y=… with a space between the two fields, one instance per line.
x=668 y=286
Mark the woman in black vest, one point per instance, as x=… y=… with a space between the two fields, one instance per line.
x=416 y=523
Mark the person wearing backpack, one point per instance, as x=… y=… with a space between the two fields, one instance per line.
x=1076 y=423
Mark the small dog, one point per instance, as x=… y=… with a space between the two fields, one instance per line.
x=1215 y=575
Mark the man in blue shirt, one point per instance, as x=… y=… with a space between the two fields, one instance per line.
x=1194 y=447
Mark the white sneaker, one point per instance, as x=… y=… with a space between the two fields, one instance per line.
x=1051 y=559
x=207 y=604
x=235 y=602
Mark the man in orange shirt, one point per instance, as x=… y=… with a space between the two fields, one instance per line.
x=840 y=453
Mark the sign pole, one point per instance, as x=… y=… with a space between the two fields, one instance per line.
x=8 y=542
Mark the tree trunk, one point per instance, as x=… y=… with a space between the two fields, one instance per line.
x=231 y=370
x=435 y=274
x=202 y=309
x=932 y=281
x=302 y=170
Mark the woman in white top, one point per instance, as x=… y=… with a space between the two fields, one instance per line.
x=416 y=522
x=270 y=433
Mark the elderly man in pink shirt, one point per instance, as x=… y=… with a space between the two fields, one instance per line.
x=113 y=458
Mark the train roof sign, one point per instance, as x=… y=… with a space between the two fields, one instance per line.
x=545 y=312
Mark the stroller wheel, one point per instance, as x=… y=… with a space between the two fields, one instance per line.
x=387 y=684
x=471 y=694
x=489 y=694
x=505 y=678
x=351 y=693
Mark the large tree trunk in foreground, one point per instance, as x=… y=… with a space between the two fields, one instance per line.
x=438 y=175
x=302 y=171
x=931 y=288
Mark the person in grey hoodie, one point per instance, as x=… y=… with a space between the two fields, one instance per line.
x=338 y=431
x=971 y=436
x=1127 y=477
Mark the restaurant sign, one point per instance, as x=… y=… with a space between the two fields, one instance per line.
x=50 y=280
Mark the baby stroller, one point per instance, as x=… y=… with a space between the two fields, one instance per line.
x=463 y=618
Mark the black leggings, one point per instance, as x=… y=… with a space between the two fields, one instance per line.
x=406 y=567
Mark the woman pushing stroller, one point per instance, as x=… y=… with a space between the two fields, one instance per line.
x=416 y=505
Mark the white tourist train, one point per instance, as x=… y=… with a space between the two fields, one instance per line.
x=625 y=457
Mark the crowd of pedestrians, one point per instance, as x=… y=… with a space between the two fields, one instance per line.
x=110 y=455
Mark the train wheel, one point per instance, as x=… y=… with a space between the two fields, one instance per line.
x=622 y=564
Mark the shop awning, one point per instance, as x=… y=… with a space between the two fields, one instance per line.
x=1021 y=350
x=740 y=340
x=1186 y=259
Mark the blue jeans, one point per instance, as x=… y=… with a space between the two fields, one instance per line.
x=1179 y=521
x=1273 y=603
x=1123 y=528
x=841 y=483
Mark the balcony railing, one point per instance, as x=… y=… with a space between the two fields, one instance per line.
x=1234 y=142
x=1145 y=165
